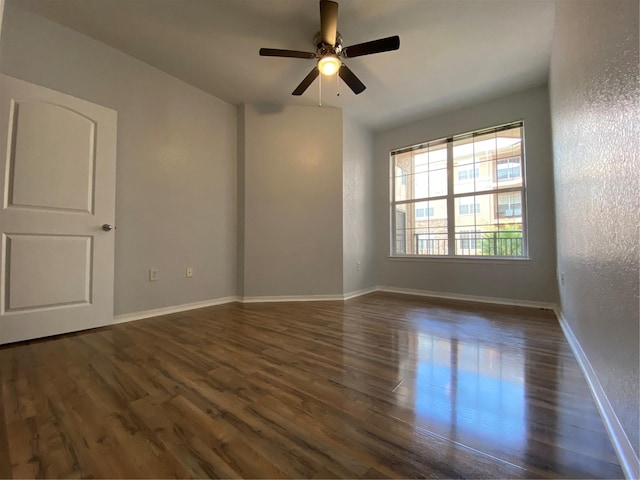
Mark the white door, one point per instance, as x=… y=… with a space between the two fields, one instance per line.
x=57 y=179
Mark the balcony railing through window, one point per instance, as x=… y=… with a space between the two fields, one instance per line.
x=494 y=244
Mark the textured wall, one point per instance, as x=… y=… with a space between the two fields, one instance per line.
x=594 y=107
x=358 y=214
x=292 y=208
x=533 y=279
x=176 y=171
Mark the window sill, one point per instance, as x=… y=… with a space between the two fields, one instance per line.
x=459 y=259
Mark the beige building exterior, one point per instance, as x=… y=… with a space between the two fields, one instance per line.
x=486 y=202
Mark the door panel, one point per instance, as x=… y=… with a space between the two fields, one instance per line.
x=33 y=261
x=58 y=189
x=51 y=157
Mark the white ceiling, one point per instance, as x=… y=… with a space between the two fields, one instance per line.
x=452 y=52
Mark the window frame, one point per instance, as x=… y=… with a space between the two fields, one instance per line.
x=451 y=197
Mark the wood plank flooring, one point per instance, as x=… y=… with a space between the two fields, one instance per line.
x=381 y=386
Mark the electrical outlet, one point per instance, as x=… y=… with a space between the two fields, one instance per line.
x=153 y=275
x=358 y=266
x=189 y=272
x=562 y=278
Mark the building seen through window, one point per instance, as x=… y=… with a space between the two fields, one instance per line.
x=461 y=196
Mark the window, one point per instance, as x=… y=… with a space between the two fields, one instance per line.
x=466 y=206
x=509 y=168
x=403 y=175
x=400 y=231
x=430 y=244
x=509 y=205
x=468 y=173
x=424 y=212
x=468 y=240
x=461 y=196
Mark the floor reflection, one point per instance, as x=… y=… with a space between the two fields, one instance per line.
x=503 y=384
x=469 y=390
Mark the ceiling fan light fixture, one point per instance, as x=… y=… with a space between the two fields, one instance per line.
x=329 y=51
x=329 y=65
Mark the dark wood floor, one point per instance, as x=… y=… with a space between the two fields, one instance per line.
x=379 y=386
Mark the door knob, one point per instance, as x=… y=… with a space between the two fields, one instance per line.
x=107 y=228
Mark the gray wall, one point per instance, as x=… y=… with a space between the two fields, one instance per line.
x=358 y=215
x=524 y=280
x=292 y=206
x=240 y=137
x=176 y=165
x=594 y=108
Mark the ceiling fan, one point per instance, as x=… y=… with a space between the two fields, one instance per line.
x=330 y=52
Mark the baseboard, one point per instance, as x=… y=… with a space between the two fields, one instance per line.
x=156 y=312
x=292 y=298
x=359 y=293
x=629 y=461
x=309 y=298
x=468 y=298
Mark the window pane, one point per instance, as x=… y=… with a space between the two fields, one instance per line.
x=503 y=240
x=438 y=183
x=467 y=209
x=437 y=157
x=510 y=207
x=435 y=161
x=421 y=173
x=488 y=161
x=509 y=143
x=420 y=185
x=509 y=166
x=400 y=188
x=400 y=246
x=432 y=241
x=509 y=172
x=401 y=180
x=484 y=176
x=484 y=147
x=463 y=152
x=421 y=228
x=489 y=225
x=464 y=178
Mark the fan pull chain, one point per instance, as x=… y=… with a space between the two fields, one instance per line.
x=338 y=83
x=319 y=90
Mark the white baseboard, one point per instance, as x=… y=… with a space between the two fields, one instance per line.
x=129 y=317
x=293 y=298
x=359 y=293
x=629 y=461
x=156 y=312
x=467 y=298
x=309 y=298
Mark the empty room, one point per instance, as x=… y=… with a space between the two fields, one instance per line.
x=319 y=239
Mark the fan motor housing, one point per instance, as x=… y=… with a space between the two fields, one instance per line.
x=324 y=49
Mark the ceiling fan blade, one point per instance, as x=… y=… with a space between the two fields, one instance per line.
x=308 y=80
x=374 y=46
x=351 y=80
x=328 y=21
x=276 y=52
